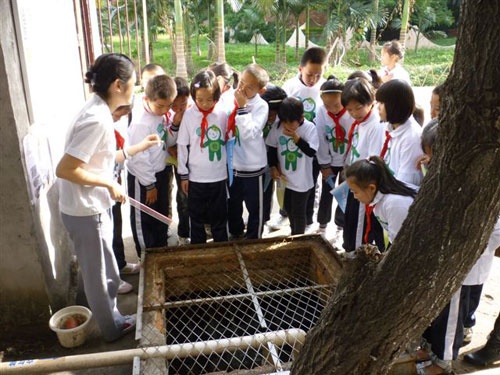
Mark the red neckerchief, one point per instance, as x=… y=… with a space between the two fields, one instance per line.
x=386 y=144
x=351 y=130
x=231 y=121
x=204 y=122
x=369 y=210
x=339 y=131
x=120 y=141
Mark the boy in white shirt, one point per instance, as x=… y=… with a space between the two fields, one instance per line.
x=292 y=146
x=246 y=124
x=149 y=175
x=306 y=87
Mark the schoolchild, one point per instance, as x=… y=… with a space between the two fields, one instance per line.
x=148 y=174
x=306 y=87
x=149 y=71
x=246 y=124
x=392 y=52
x=88 y=189
x=174 y=118
x=370 y=75
x=292 y=146
x=373 y=184
x=365 y=138
x=401 y=148
x=201 y=156
x=228 y=79
x=273 y=96
x=436 y=95
x=428 y=138
x=333 y=123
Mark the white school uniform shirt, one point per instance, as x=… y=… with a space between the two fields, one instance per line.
x=329 y=152
x=250 y=147
x=310 y=96
x=391 y=211
x=226 y=101
x=294 y=164
x=368 y=139
x=398 y=72
x=144 y=165
x=481 y=269
x=205 y=163
x=404 y=148
x=91 y=139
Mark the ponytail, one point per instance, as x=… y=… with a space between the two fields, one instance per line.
x=374 y=170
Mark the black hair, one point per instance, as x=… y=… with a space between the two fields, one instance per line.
x=291 y=109
x=182 y=86
x=399 y=101
x=429 y=134
x=331 y=85
x=152 y=68
x=205 y=79
x=106 y=69
x=394 y=48
x=313 y=55
x=374 y=171
x=274 y=96
x=225 y=71
x=161 y=87
x=259 y=73
x=359 y=90
x=438 y=90
x=370 y=75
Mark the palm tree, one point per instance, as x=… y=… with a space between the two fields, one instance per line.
x=181 y=68
x=405 y=17
x=296 y=8
x=372 y=55
x=219 y=27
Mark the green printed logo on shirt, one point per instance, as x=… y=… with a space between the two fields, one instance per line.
x=214 y=142
x=161 y=129
x=291 y=152
x=338 y=146
x=309 y=108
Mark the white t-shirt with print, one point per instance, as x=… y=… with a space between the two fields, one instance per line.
x=310 y=96
x=294 y=164
x=205 y=162
x=368 y=139
x=330 y=152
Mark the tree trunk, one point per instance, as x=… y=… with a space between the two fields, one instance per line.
x=297 y=28
x=308 y=24
x=189 y=52
x=277 y=58
x=219 y=31
x=378 y=307
x=405 y=18
x=181 y=69
x=372 y=54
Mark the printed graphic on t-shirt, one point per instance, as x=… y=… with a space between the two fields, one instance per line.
x=354 y=150
x=290 y=152
x=309 y=108
x=384 y=224
x=161 y=129
x=214 y=142
x=338 y=146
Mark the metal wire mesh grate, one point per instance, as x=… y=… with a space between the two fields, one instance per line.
x=244 y=296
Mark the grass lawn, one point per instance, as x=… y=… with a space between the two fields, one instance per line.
x=427 y=66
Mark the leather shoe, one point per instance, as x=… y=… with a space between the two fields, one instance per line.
x=484 y=357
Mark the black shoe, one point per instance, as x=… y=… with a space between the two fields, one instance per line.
x=483 y=357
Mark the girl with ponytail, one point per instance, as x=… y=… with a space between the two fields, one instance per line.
x=389 y=199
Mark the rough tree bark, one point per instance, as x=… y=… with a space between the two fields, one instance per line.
x=378 y=307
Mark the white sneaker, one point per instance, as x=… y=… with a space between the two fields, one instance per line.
x=277 y=222
x=131 y=268
x=310 y=229
x=184 y=241
x=124 y=287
